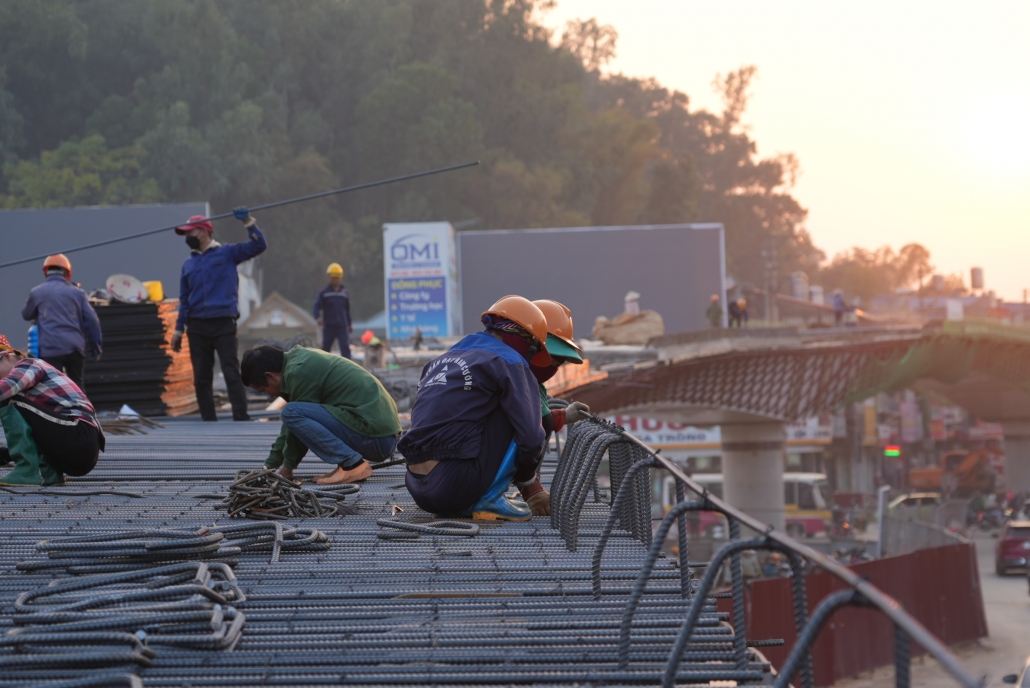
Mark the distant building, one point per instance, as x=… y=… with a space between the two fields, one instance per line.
x=278 y=320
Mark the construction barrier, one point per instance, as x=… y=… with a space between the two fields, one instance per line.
x=905 y=535
x=940 y=587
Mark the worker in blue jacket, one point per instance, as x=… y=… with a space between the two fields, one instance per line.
x=69 y=330
x=475 y=424
x=209 y=306
x=332 y=311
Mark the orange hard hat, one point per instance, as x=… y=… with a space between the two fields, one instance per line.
x=529 y=317
x=58 y=260
x=559 y=320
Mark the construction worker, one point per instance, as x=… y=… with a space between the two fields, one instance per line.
x=475 y=424
x=839 y=307
x=738 y=313
x=563 y=349
x=69 y=330
x=332 y=310
x=334 y=407
x=209 y=306
x=51 y=427
x=714 y=312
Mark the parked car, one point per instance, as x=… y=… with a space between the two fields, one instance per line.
x=915 y=499
x=1013 y=548
x=919 y=505
x=1022 y=679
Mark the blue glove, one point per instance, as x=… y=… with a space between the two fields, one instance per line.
x=241 y=213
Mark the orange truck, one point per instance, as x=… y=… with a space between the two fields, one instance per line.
x=960 y=473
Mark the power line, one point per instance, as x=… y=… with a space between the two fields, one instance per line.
x=299 y=199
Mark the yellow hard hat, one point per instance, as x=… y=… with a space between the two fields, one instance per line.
x=334 y=270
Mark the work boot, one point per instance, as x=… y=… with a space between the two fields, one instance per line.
x=22 y=449
x=494 y=505
x=51 y=476
x=363 y=471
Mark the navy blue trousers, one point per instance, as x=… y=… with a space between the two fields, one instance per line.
x=331 y=333
x=456 y=485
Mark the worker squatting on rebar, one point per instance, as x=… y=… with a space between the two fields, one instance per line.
x=209 y=306
x=476 y=424
x=334 y=407
x=51 y=427
x=68 y=327
x=332 y=311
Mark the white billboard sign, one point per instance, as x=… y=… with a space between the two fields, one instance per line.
x=420 y=267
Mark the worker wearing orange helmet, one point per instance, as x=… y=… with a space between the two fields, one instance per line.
x=475 y=424
x=332 y=311
x=563 y=349
x=69 y=330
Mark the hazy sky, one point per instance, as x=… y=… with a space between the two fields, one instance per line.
x=911 y=120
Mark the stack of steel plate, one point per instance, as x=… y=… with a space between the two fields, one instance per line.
x=137 y=367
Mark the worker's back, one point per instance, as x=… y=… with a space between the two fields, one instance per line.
x=460 y=389
x=60 y=309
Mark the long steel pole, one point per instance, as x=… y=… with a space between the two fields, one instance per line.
x=299 y=199
x=886 y=604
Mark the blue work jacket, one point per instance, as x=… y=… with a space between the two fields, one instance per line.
x=457 y=392
x=333 y=307
x=210 y=285
x=67 y=323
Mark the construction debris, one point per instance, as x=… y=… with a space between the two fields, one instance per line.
x=628 y=328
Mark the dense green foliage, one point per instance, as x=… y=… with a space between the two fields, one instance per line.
x=248 y=101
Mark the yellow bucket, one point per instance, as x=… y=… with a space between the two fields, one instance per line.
x=155 y=290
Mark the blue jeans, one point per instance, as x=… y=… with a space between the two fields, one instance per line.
x=331 y=440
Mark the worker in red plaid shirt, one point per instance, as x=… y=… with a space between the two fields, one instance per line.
x=51 y=427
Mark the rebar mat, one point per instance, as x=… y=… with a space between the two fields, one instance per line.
x=508 y=604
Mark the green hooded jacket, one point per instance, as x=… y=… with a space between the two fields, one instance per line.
x=349 y=392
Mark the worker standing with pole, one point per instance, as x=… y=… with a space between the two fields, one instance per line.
x=332 y=310
x=209 y=307
x=69 y=330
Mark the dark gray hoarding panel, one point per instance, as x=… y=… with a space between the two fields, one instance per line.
x=675 y=268
x=50 y=230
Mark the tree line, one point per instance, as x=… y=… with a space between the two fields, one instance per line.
x=233 y=101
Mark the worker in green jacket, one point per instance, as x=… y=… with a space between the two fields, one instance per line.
x=335 y=408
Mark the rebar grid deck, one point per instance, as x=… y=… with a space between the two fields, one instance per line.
x=350 y=600
x=510 y=605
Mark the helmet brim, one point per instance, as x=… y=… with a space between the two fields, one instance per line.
x=556 y=346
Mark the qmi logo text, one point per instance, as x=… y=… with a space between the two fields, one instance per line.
x=415 y=251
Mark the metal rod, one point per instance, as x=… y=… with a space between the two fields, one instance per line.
x=877 y=598
x=299 y=199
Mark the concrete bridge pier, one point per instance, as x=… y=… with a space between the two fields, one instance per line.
x=752 y=469
x=1017 y=454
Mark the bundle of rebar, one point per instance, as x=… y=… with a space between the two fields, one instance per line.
x=264 y=494
x=114 y=620
x=140 y=549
